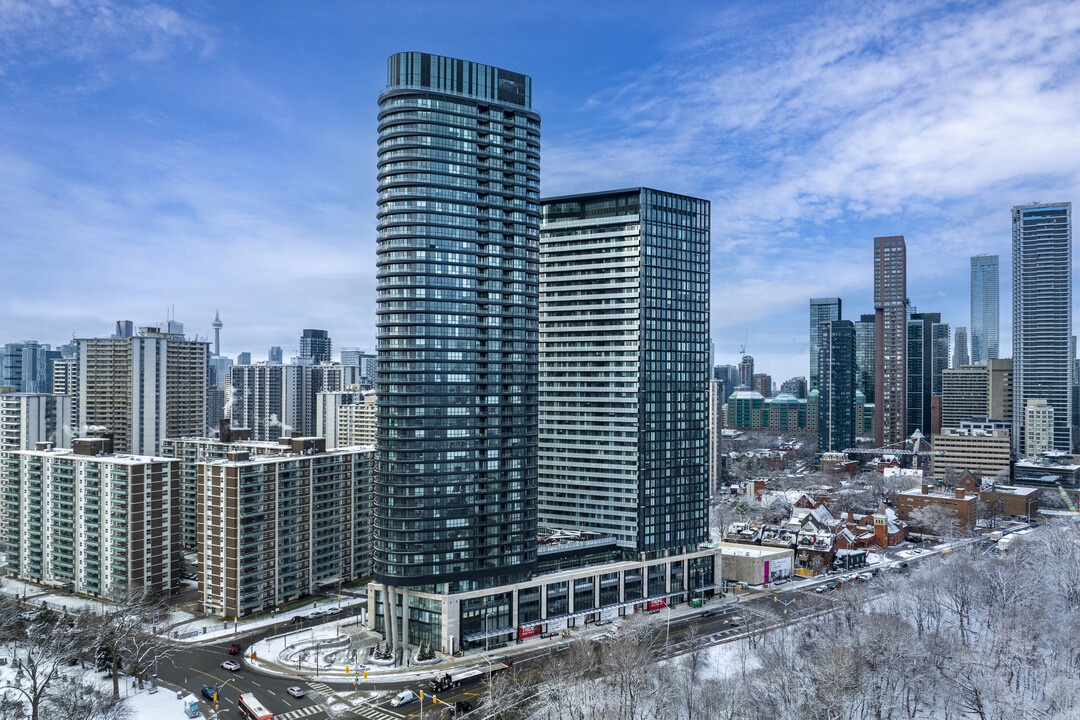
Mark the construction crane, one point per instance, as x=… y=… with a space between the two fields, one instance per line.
x=742 y=350
x=919 y=448
x=1066 y=498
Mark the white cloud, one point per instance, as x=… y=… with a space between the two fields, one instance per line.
x=811 y=135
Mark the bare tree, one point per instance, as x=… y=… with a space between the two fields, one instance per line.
x=81 y=699
x=122 y=639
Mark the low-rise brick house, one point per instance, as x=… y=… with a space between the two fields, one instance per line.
x=960 y=503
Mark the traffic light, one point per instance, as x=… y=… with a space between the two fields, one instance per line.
x=365 y=674
x=346 y=669
x=215 y=697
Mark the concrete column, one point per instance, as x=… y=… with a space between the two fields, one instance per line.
x=596 y=591
x=514 y=608
x=405 y=620
x=390 y=614
x=667 y=578
x=622 y=586
x=543 y=602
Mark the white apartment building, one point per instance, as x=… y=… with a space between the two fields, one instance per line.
x=29 y=418
x=143 y=389
x=1038 y=427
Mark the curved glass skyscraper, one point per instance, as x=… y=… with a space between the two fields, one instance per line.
x=458 y=244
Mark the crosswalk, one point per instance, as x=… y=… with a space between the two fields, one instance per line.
x=322 y=688
x=375 y=713
x=301 y=713
x=370 y=712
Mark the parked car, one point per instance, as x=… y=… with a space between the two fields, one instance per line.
x=296 y=691
x=231 y=665
x=234 y=649
x=333 y=611
x=316 y=615
x=708 y=614
x=297 y=619
x=208 y=692
x=403 y=698
x=461 y=707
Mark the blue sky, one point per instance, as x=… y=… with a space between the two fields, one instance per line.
x=222 y=155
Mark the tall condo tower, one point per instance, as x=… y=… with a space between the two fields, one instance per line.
x=822 y=310
x=217 y=325
x=864 y=356
x=960 y=355
x=316 y=346
x=890 y=340
x=984 y=308
x=458 y=284
x=624 y=337
x=836 y=387
x=1042 y=316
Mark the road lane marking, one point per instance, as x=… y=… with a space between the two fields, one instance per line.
x=224 y=683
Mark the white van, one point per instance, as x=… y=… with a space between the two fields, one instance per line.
x=402 y=698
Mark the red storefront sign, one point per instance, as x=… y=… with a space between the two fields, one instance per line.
x=657 y=604
x=526 y=631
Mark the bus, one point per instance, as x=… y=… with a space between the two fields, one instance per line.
x=252 y=709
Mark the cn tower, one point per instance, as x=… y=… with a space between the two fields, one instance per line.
x=217 y=325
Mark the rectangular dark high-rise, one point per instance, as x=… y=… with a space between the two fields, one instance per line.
x=822 y=310
x=458 y=244
x=624 y=320
x=890 y=338
x=864 y=357
x=836 y=398
x=316 y=346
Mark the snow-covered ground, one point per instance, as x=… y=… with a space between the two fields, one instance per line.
x=205 y=629
x=162 y=705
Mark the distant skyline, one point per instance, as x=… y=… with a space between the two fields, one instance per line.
x=209 y=156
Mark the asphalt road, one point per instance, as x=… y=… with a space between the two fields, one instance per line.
x=194 y=666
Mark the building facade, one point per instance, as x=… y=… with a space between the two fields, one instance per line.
x=95 y=522
x=960 y=355
x=927 y=358
x=143 y=389
x=972 y=447
x=276 y=528
x=27 y=419
x=985 y=307
x=266 y=399
x=458 y=283
x=189 y=452
x=890 y=340
x=822 y=310
x=977 y=391
x=864 y=356
x=357 y=423
x=316 y=346
x=623 y=390
x=836 y=386
x=1042 y=316
x=746 y=371
x=716 y=435
x=1038 y=427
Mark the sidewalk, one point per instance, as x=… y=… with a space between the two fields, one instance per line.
x=208 y=629
x=327 y=647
